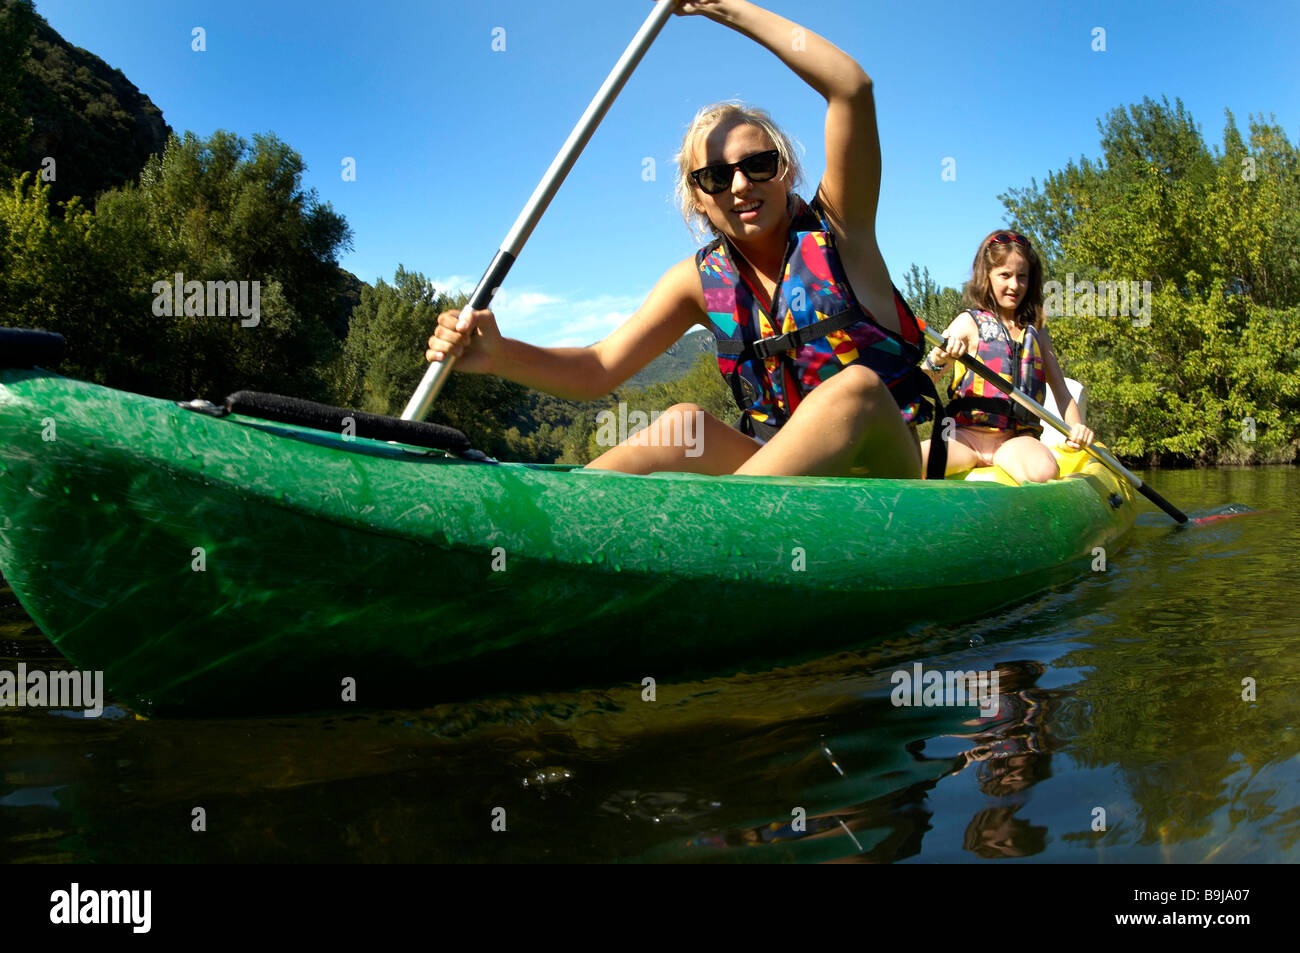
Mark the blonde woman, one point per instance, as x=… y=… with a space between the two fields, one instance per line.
x=819 y=349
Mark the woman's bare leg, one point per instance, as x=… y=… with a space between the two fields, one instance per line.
x=847 y=426
x=685 y=438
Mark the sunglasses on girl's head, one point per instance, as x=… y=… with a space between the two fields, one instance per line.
x=1005 y=238
x=716 y=179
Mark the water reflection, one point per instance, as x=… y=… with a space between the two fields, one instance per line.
x=1164 y=691
x=1009 y=751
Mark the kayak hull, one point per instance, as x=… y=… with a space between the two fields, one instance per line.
x=240 y=566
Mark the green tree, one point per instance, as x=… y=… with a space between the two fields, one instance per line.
x=1138 y=142
x=382 y=362
x=382 y=358
x=934 y=305
x=63 y=274
x=1203 y=366
x=209 y=210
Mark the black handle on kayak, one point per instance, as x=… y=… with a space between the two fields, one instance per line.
x=1045 y=415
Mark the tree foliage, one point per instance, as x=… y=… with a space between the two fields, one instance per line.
x=1208 y=372
x=17 y=24
x=932 y=304
x=383 y=361
x=212 y=209
x=67 y=114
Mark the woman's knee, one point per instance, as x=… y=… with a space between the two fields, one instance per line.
x=681 y=425
x=860 y=380
x=683 y=412
x=686 y=408
x=854 y=386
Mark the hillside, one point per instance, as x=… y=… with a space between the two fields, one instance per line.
x=676 y=362
x=76 y=109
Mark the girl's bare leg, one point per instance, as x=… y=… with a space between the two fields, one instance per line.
x=961 y=455
x=1027 y=460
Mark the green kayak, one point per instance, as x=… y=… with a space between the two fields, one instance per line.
x=235 y=564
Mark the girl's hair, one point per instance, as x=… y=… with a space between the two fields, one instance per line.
x=991 y=254
x=705 y=121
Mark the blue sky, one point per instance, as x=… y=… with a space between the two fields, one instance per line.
x=450 y=137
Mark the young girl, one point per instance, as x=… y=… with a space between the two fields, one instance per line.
x=1004 y=329
x=817 y=345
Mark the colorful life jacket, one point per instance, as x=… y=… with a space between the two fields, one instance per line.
x=771 y=364
x=974 y=402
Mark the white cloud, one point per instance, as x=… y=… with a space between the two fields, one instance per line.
x=454 y=284
x=522 y=304
x=589 y=328
x=549 y=320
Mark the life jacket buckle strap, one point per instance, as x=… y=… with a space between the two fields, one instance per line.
x=793 y=340
x=764 y=348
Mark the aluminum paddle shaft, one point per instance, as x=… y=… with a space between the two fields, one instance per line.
x=1045 y=415
x=436 y=374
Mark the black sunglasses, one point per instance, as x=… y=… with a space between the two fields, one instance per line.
x=1006 y=238
x=716 y=179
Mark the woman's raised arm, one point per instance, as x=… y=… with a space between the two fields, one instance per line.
x=850 y=187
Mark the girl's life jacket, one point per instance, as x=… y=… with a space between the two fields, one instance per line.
x=772 y=358
x=976 y=403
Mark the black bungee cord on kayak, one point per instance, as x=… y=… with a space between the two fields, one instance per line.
x=29 y=348
x=25 y=347
x=336 y=420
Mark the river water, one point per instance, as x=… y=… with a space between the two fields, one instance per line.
x=1148 y=712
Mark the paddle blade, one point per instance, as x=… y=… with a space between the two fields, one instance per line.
x=1225 y=512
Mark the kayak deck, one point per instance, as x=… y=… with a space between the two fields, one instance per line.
x=235 y=565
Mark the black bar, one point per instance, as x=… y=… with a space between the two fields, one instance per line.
x=491 y=281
